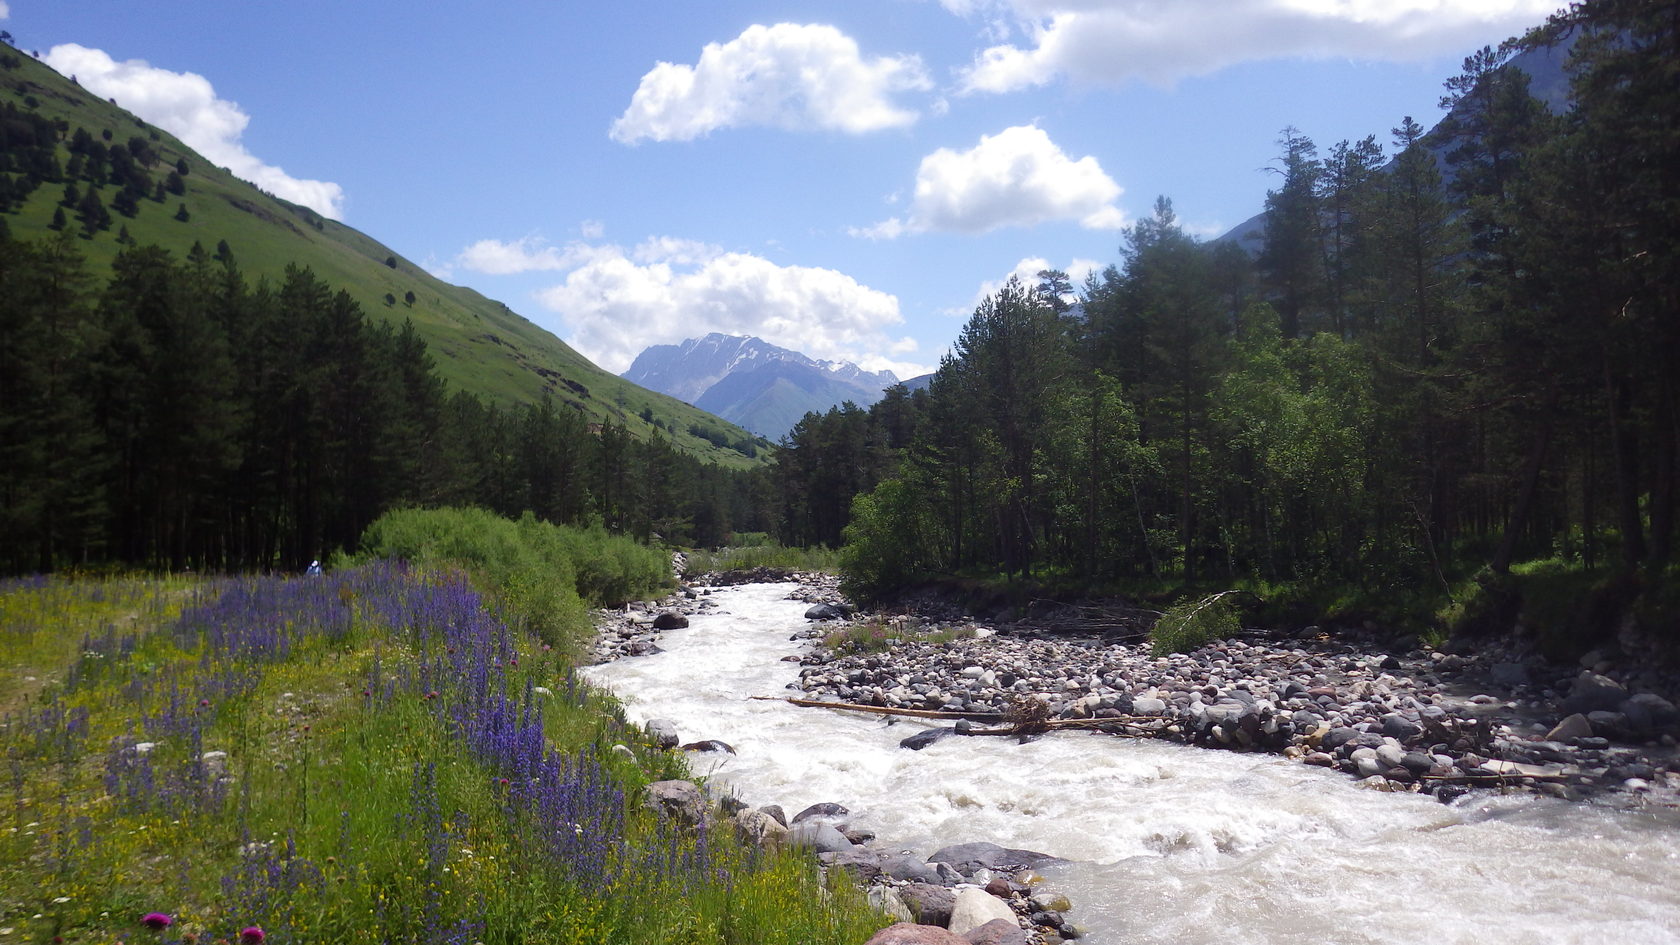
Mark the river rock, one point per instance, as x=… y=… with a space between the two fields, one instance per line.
x=670 y=620
x=758 y=827
x=886 y=899
x=819 y=836
x=974 y=907
x=678 y=800
x=1050 y=901
x=925 y=738
x=1648 y=713
x=969 y=857
x=1572 y=726
x=929 y=903
x=824 y=612
x=906 y=868
x=997 y=932
x=863 y=864
x=1593 y=692
x=908 y=933
x=663 y=732
x=1148 y=706
x=711 y=745
x=827 y=809
x=776 y=813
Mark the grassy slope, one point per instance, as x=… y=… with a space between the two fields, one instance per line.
x=480 y=345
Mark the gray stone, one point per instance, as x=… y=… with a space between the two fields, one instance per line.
x=678 y=800
x=710 y=745
x=663 y=732
x=1572 y=726
x=1365 y=760
x=758 y=827
x=670 y=620
x=863 y=864
x=930 y=903
x=1395 y=725
x=885 y=899
x=1048 y=900
x=909 y=869
x=827 y=809
x=823 y=612
x=974 y=907
x=1147 y=706
x=1592 y=693
x=997 y=932
x=819 y=836
x=1337 y=737
x=925 y=738
x=775 y=811
x=1649 y=713
x=969 y=857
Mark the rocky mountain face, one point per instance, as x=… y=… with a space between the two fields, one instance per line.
x=753 y=383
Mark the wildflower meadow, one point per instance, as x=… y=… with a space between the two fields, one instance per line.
x=370 y=755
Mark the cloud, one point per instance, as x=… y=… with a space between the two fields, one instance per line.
x=185 y=105
x=1027 y=271
x=5 y=11
x=592 y=229
x=1115 y=41
x=1017 y=177
x=786 y=76
x=615 y=302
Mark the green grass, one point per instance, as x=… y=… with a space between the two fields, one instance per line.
x=878 y=636
x=345 y=815
x=480 y=345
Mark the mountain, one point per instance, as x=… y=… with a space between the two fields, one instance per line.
x=480 y=345
x=754 y=383
x=1547 y=81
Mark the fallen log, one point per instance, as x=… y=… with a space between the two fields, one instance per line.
x=886 y=710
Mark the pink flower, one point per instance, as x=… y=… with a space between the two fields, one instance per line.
x=156 y=921
x=251 y=935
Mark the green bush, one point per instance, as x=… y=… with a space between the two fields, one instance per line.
x=542 y=576
x=1194 y=621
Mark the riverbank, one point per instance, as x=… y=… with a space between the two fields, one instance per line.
x=1160 y=841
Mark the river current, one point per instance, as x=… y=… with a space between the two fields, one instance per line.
x=1167 y=843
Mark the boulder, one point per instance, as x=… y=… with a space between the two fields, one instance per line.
x=1397 y=726
x=1594 y=693
x=670 y=620
x=761 y=829
x=663 y=732
x=968 y=857
x=925 y=738
x=1148 y=706
x=863 y=864
x=1648 y=713
x=824 y=612
x=929 y=903
x=678 y=800
x=711 y=745
x=974 y=907
x=818 y=836
x=776 y=812
x=906 y=933
x=827 y=809
x=997 y=932
x=909 y=869
x=1572 y=726
x=885 y=899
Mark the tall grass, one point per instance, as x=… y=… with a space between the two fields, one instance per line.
x=544 y=577
x=765 y=555
x=369 y=756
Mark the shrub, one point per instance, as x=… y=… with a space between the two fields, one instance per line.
x=1192 y=622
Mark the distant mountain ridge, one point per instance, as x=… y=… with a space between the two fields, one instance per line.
x=752 y=383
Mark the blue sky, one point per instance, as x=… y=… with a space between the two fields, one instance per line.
x=845 y=179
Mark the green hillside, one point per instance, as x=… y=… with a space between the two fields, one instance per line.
x=481 y=346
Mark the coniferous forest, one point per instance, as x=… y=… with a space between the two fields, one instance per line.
x=1448 y=354
x=174 y=416
x=1442 y=356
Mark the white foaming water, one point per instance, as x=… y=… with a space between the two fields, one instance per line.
x=1168 y=843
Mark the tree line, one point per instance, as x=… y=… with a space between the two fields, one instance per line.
x=1460 y=356
x=178 y=416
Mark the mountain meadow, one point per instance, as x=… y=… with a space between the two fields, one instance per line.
x=302 y=546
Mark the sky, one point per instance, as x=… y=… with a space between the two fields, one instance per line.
x=844 y=179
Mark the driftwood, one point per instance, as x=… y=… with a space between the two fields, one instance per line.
x=1016 y=727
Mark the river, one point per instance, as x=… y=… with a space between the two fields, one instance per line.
x=1167 y=843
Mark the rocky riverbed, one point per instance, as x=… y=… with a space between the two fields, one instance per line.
x=1496 y=720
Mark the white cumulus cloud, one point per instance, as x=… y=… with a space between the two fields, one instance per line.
x=1027 y=271
x=185 y=105
x=1113 y=41
x=5 y=11
x=614 y=302
x=1017 y=177
x=787 y=75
